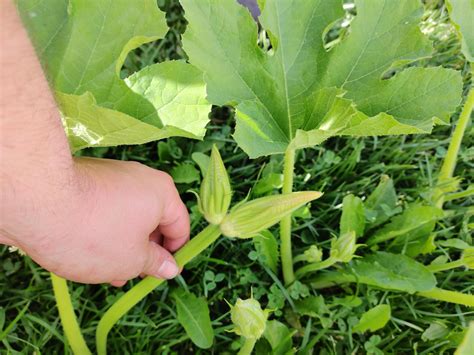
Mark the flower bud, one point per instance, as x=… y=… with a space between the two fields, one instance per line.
x=215 y=193
x=344 y=247
x=249 y=319
x=468 y=257
x=249 y=218
x=313 y=254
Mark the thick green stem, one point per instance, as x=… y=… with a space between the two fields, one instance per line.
x=330 y=279
x=315 y=267
x=449 y=296
x=248 y=346
x=285 y=224
x=446 y=266
x=193 y=248
x=449 y=163
x=68 y=318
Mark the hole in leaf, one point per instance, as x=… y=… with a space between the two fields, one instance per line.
x=167 y=48
x=340 y=28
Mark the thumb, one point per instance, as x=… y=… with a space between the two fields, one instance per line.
x=160 y=263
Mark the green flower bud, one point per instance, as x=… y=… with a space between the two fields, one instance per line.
x=249 y=319
x=247 y=219
x=468 y=258
x=215 y=193
x=313 y=254
x=344 y=247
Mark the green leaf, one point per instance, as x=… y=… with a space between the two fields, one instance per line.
x=313 y=306
x=455 y=243
x=394 y=272
x=185 y=174
x=267 y=248
x=462 y=15
x=467 y=345
x=88 y=124
x=193 y=315
x=83 y=44
x=279 y=337
x=268 y=183
x=374 y=319
x=298 y=94
x=353 y=218
x=202 y=160
x=382 y=203
x=410 y=230
x=436 y=330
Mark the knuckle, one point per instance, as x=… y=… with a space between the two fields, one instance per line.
x=166 y=178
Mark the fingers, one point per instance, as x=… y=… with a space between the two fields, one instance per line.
x=160 y=263
x=174 y=224
x=176 y=233
x=118 y=283
x=156 y=237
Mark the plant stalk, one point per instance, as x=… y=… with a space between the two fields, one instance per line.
x=449 y=163
x=330 y=279
x=68 y=318
x=193 y=248
x=248 y=346
x=446 y=266
x=314 y=267
x=448 y=296
x=285 y=223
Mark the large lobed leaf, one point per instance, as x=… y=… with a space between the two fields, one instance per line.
x=83 y=44
x=298 y=94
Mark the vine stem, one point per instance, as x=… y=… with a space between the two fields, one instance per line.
x=331 y=279
x=193 y=248
x=68 y=318
x=446 y=266
x=449 y=163
x=448 y=296
x=285 y=223
x=315 y=267
x=248 y=346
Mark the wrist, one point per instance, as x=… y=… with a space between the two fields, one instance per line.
x=31 y=196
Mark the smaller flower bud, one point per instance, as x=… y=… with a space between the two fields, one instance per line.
x=249 y=319
x=313 y=254
x=344 y=247
x=216 y=192
x=249 y=218
x=468 y=257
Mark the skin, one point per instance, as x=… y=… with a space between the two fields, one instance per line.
x=87 y=220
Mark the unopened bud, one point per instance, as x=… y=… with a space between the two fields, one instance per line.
x=249 y=218
x=249 y=319
x=215 y=193
x=313 y=254
x=344 y=247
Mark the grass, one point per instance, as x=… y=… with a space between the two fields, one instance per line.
x=29 y=321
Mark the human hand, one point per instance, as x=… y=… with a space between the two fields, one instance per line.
x=106 y=221
x=88 y=220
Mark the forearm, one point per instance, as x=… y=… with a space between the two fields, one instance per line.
x=34 y=152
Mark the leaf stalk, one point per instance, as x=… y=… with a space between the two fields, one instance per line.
x=450 y=160
x=193 y=248
x=285 y=224
x=248 y=346
x=68 y=318
x=315 y=267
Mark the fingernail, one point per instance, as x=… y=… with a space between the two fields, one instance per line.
x=168 y=270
